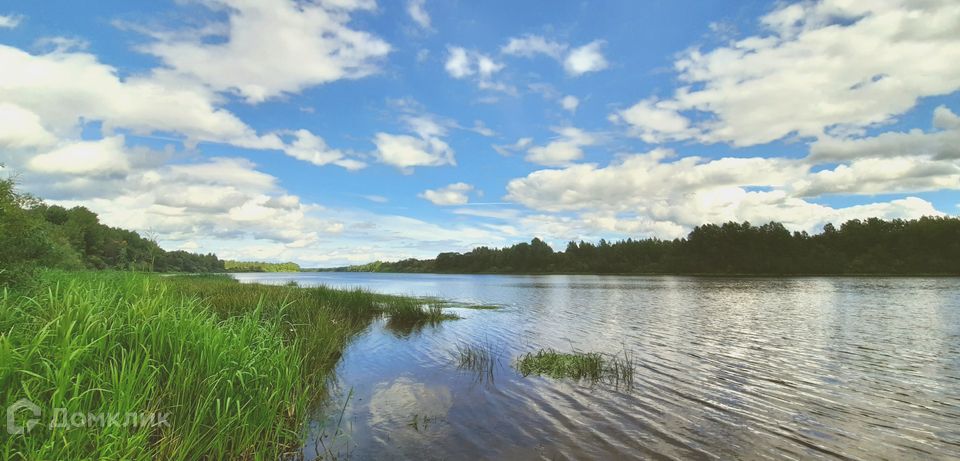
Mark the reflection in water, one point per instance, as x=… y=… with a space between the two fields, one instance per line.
x=727 y=368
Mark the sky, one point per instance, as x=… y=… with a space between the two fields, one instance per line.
x=335 y=132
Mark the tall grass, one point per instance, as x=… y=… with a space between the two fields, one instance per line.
x=592 y=366
x=237 y=367
x=410 y=315
x=482 y=359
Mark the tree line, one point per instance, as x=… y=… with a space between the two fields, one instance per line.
x=928 y=245
x=35 y=235
x=258 y=266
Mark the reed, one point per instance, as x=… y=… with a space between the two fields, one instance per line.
x=482 y=359
x=238 y=368
x=592 y=366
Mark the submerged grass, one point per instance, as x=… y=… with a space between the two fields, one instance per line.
x=236 y=368
x=591 y=366
x=481 y=359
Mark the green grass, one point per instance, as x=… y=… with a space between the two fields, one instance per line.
x=480 y=307
x=408 y=315
x=591 y=366
x=481 y=359
x=238 y=367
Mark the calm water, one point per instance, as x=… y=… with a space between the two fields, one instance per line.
x=805 y=368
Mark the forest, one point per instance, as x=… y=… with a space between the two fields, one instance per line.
x=259 y=266
x=35 y=235
x=929 y=245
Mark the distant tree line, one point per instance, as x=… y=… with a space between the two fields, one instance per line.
x=257 y=266
x=929 y=245
x=34 y=235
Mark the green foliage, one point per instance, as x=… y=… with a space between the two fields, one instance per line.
x=929 y=245
x=34 y=235
x=256 y=266
x=240 y=368
x=27 y=243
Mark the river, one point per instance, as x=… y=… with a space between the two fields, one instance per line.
x=726 y=368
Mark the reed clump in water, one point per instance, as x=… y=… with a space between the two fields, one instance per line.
x=409 y=315
x=235 y=369
x=481 y=358
x=591 y=366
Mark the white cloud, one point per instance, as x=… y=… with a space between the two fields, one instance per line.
x=454 y=194
x=508 y=149
x=311 y=148
x=376 y=198
x=415 y=8
x=61 y=88
x=882 y=176
x=576 y=61
x=531 y=45
x=587 y=58
x=480 y=128
x=503 y=214
x=943 y=143
x=570 y=103
x=462 y=63
x=405 y=152
x=564 y=150
x=945 y=119
x=93 y=158
x=427 y=148
x=10 y=21
x=656 y=192
x=45 y=98
x=21 y=128
x=655 y=121
x=458 y=63
x=268 y=48
x=819 y=66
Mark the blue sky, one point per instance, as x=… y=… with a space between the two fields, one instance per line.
x=342 y=131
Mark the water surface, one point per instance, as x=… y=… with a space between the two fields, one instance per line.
x=727 y=368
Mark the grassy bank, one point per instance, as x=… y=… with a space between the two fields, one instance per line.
x=234 y=369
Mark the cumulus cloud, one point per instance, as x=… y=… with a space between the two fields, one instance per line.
x=61 y=88
x=269 y=48
x=507 y=149
x=20 y=128
x=45 y=98
x=587 y=58
x=566 y=149
x=462 y=63
x=105 y=156
x=880 y=176
x=417 y=12
x=942 y=143
x=531 y=45
x=405 y=152
x=454 y=194
x=570 y=103
x=10 y=21
x=655 y=121
x=576 y=61
x=655 y=192
x=426 y=147
x=311 y=148
x=817 y=66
